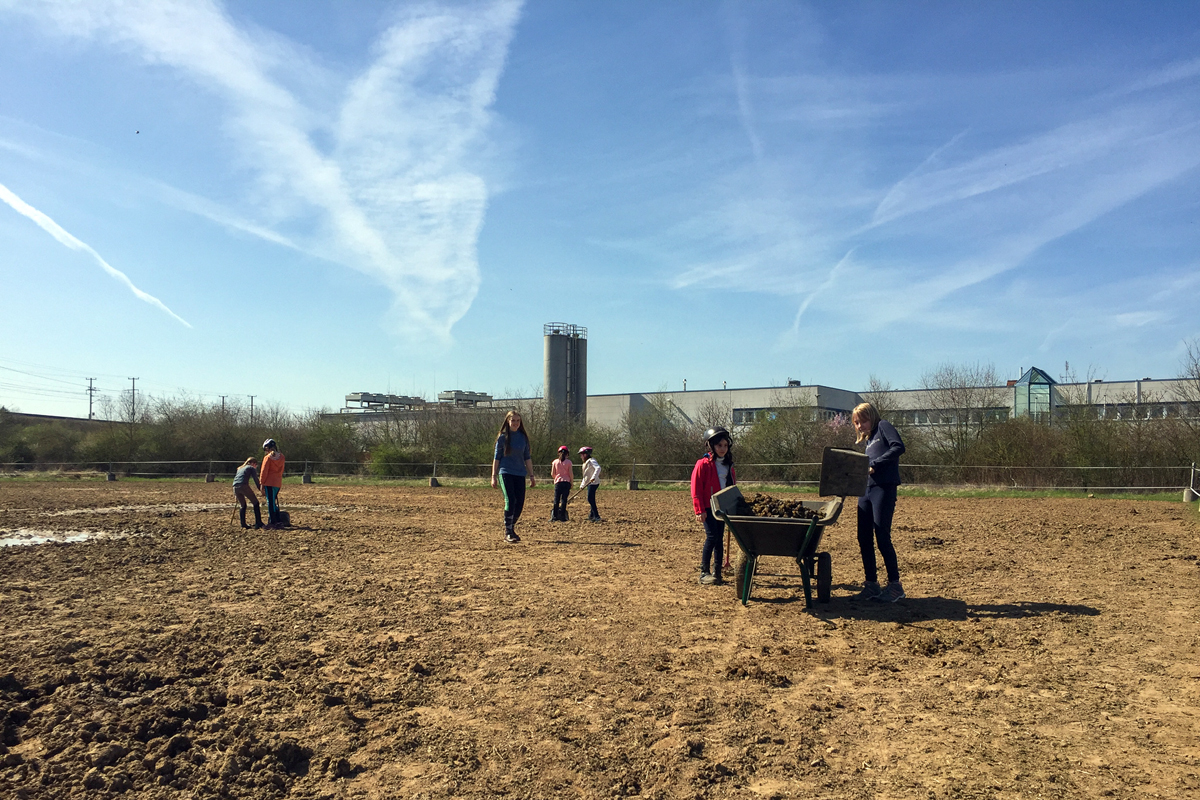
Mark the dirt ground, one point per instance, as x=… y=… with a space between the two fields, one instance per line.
x=391 y=645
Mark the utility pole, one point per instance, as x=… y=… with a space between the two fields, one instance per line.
x=252 y=410
x=91 y=391
x=222 y=405
x=132 y=416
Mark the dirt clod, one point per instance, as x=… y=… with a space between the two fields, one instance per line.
x=405 y=650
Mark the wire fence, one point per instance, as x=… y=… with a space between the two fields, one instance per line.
x=1159 y=478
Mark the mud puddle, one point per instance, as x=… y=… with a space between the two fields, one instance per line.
x=28 y=536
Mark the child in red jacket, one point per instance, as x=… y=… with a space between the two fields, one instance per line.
x=711 y=474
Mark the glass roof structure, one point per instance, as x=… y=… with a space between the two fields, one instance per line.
x=1034 y=395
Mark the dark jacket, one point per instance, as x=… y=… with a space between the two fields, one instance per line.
x=884 y=448
x=245 y=475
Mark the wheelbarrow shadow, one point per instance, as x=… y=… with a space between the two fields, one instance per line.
x=590 y=544
x=785 y=582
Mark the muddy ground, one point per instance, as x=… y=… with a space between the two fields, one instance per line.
x=391 y=645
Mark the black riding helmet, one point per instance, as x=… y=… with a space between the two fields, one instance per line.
x=715 y=434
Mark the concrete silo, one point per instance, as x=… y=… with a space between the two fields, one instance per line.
x=566 y=370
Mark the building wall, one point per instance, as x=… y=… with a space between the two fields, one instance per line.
x=917 y=406
x=608 y=410
x=910 y=406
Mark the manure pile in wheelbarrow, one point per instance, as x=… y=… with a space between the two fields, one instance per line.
x=763 y=505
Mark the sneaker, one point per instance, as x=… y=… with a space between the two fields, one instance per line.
x=707 y=579
x=890 y=594
x=594 y=519
x=870 y=591
x=511 y=538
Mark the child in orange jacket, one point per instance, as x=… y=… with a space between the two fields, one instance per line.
x=271 y=479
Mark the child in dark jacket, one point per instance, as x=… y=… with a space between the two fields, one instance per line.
x=247 y=473
x=878 y=505
x=711 y=474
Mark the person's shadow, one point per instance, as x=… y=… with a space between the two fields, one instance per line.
x=909 y=609
x=588 y=544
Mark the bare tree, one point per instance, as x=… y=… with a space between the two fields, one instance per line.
x=659 y=433
x=1187 y=395
x=1187 y=389
x=962 y=399
x=879 y=394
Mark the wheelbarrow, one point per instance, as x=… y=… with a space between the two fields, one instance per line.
x=843 y=472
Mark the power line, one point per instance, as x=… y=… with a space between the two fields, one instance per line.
x=50 y=383
x=42 y=390
x=59 y=370
x=35 y=375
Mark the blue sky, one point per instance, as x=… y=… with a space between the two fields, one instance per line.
x=296 y=200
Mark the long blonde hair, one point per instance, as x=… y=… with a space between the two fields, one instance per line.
x=865 y=411
x=249 y=461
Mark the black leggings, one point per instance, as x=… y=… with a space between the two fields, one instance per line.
x=592 y=487
x=714 y=529
x=875 y=510
x=513 y=487
x=562 y=491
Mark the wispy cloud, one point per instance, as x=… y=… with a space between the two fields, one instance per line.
x=829 y=282
x=395 y=195
x=974 y=207
x=1138 y=319
x=745 y=108
x=1054 y=151
x=54 y=229
x=200 y=206
x=1172 y=73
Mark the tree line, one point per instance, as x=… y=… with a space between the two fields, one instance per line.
x=654 y=443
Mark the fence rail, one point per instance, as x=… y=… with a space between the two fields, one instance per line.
x=1139 y=477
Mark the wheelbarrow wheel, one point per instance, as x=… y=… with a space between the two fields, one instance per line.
x=824 y=577
x=739 y=573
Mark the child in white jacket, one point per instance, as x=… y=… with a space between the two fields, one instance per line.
x=591 y=479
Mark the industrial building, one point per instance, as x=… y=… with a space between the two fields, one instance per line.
x=1034 y=394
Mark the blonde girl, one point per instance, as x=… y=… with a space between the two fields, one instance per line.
x=876 y=508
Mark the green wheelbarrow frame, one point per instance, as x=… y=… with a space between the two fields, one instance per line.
x=777 y=536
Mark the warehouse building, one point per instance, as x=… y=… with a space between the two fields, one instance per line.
x=1034 y=394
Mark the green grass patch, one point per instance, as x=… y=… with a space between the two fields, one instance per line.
x=1000 y=492
x=953 y=492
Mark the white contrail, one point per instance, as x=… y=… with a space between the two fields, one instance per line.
x=54 y=229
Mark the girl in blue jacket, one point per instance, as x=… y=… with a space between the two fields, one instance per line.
x=876 y=507
x=511 y=465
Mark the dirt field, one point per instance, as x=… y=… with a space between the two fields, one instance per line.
x=391 y=645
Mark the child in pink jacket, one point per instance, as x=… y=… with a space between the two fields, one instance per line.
x=560 y=472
